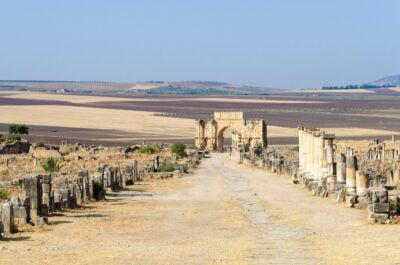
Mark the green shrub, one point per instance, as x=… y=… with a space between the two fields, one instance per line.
x=179 y=149
x=51 y=165
x=18 y=129
x=166 y=168
x=4 y=195
x=147 y=149
x=39 y=143
x=13 y=137
x=97 y=186
x=2 y=139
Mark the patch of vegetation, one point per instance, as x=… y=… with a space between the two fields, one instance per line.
x=39 y=142
x=392 y=205
x=2 y=139
x=147 y=149
x=296 y=149
x=169 y=167
x=51 y=165
x=13 y=137
x=178 y=149
x=4 y=195
x=18 y=129
x=5 y=172
x=97 y=186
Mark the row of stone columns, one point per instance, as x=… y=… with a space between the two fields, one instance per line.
x=317 y=163
x=316 y=154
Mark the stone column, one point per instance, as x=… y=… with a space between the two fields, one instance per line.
x=311 y=155
x=329 y=156
x=32 y=189
x=351 y=167
x=301 y=158
x=320 y=158
x=341 y=168
x=306 y=146
x=7 y=218
x=361 y=183
x=316 y=154
x=304 y=150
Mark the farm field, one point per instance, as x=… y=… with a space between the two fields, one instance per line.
x=115 y=119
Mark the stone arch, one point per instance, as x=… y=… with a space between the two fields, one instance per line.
x=209 y=134
x=220 y=139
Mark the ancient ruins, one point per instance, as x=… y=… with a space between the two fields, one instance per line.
x=251 y=134
x=86 y=173
x=359 y=174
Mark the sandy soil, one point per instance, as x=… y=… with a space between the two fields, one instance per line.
x=221 y=214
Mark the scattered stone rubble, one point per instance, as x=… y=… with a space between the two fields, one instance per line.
x=14 y=147
x=41 y=194
x=362 y=176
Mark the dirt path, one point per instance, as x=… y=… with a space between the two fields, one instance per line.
x=221 y=214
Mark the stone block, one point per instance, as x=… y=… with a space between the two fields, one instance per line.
x=341 y=196
x=378 y=217
x=380 y=196
x=46 y=188
x=379 y=207
x=46 y=199
x=7 y=218
x=46 y=178
x=351 y=200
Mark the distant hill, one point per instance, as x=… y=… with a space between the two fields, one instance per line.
x=151 y=87
x=385 y=82
x=393 y=81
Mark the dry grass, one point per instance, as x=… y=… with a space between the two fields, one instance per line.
x=139 y=122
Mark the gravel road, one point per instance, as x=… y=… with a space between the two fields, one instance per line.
x=222 y=213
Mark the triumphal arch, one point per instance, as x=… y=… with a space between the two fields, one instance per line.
x=210 y=134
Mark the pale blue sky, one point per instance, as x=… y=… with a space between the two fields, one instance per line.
x=273 y=43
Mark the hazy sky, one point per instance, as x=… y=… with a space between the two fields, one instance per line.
x=273 y=43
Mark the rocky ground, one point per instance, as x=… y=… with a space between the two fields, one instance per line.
x=222 y=213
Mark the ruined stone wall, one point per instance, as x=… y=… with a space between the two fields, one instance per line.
x=14 y=147
x=43 y=194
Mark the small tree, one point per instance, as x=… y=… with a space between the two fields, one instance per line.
x=18 y=129
x=51 y=165
x=179 y=149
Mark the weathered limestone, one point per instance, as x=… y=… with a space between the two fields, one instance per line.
x=351 y=168
x=378 y=205
x=341 y=168
x=210 y=134
x=7 y=218
x=361 y=183
x=237 y=150
x=15 y=147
